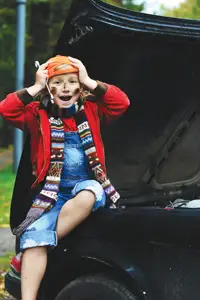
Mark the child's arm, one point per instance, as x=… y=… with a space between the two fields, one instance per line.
x=14 y=107
x=111 y=101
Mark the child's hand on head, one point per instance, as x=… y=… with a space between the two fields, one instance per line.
x=40 y=80
x=83 y=75
x=41 y=76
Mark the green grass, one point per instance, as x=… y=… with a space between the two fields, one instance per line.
x=5 y=260
x=6 y=187
x=4 y=266
x=7 y=179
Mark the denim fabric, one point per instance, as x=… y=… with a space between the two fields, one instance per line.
x=75 y=167
x=75 y=177
x=93 y=186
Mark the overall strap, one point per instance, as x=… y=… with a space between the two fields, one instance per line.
x=91 y=154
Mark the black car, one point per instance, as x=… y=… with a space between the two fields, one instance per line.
x=147 y=248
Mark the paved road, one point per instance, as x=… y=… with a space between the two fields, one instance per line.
x=7 y=241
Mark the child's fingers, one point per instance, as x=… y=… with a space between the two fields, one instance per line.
x=75 y=61
x=43 y=66
x=78 y=66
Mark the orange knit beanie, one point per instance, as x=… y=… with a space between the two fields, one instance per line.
x=60 y=65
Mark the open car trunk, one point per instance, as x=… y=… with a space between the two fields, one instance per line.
x=152 y=152
x=152 y=155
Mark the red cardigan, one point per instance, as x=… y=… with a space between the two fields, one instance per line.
x=17 y=108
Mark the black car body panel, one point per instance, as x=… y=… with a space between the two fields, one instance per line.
x=152 y=154
x=155 y=61
x=156 y=252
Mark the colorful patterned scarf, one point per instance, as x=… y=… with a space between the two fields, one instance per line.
x=49 y=193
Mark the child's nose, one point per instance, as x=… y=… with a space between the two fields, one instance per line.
x=66 y=87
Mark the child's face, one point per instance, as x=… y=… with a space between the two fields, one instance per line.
x=65 y=89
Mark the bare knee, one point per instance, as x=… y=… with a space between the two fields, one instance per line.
x=84 y=200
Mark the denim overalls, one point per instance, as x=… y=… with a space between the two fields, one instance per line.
x=75 y=177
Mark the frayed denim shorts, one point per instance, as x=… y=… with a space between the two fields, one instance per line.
x=74 y=178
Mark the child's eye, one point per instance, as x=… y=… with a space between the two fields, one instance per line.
x=57 y=82
x=73 y=81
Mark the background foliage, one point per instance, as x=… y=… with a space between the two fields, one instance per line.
x=44 y=22
x=128 y=4
x=6 y=186
x=189 y=9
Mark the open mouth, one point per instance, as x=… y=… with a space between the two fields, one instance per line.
x=65 y=98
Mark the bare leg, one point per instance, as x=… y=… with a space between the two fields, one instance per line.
x=33 y=269
x=34 y=260
x=74 y=212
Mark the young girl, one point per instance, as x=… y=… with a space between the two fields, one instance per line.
x=67 y=156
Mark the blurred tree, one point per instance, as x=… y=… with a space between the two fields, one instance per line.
x=189 y=9
x=128 y=4
x=7 y=62
x=7 y=48
x=43 y=31
x=44 y=22
x=45 y=19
